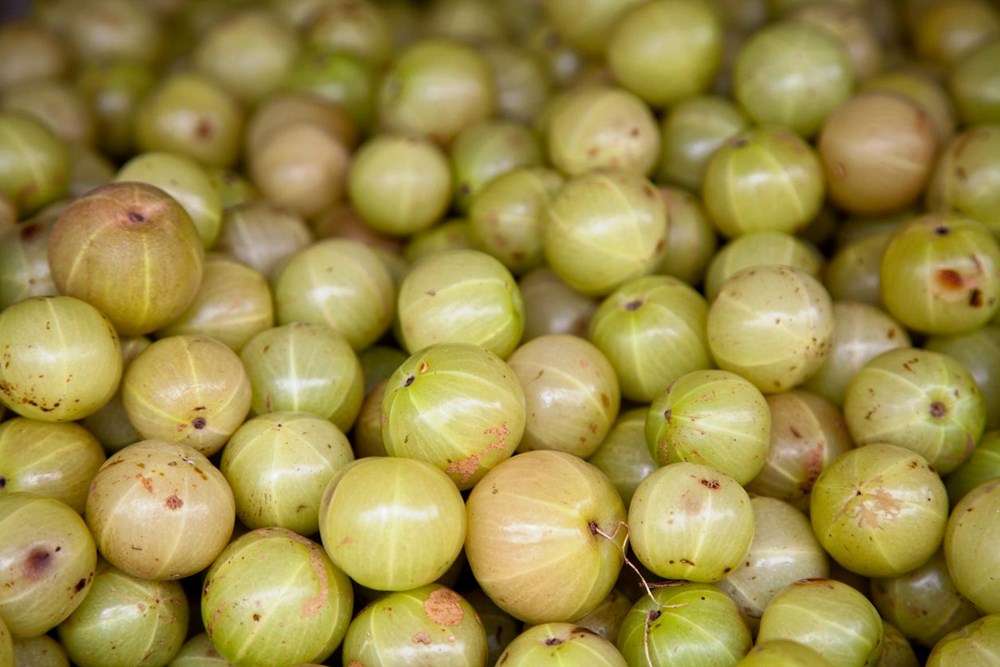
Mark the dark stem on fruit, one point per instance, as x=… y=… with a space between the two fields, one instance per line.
x=136 y=217
x=938 y=409
x=941 y=230
x=408 y=381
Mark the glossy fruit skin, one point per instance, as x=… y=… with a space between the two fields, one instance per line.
x=517 y=550
x=940 y=274
x=761 y=248
x=672 y=625
x=262 y=235
x=180 y=510
x=970 y=543
x=424 y=625
x=126 y=621
x=558 y=644
x=121 y=244
x=782 y=653
x=974 y=83
x=967 y=174
x=61 y=358
x=43 y=651
x=553 y=307
x=403 y=539
x=486 y=150
x=691 y=133
x=918 y=399
x=47 y=559
x=977 y=642
x=880 y=510
x=623 y=455
x=35 y=166
x=982 y=465
x=979 y=352
x=273 y=597
x=24 y=263
x=673 y=510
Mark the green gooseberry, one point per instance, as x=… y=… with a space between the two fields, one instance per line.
x=340 y=283
x=56 y=460
x=189 y=389
x=500 y=627
x=435 y=88
x=601 y=127
x=829 y=616
x=378 y=362
x=940 y=274
x=191 y=114
x=185 y=180
x=925 y=90
x=982 y=465
x=278 y=466
x=897 y=652
x=782 y=653
x=283 y=108
x=30 y=51
x=623 y=454
x=783 y=349
x=61 y=358
x=584 y=26
x=713 y=418
x=88 y=170
x=113 y=91
x=684 y=623
x=606 y=619
x=919 y=399
x=57 y=105
x=970 y=546
x=198 y=651
x=666 y=51
x=879 y=510
x=853 y=273
x=571 y=393
x=793 y=74
x=784 y=550
x=304 y=367
x=977 y=643
x=40 y=651
x=689 y=521
x=126 y=621
x=460 y=296
x=763 y=178
x=180 y=511
x=506 y=216
x=273 y=597
x=967 y=176
x=944 y=33
x=852 y=27
x=48 y=558
x=652 y=330
x=35 y=167
x=366 y=438
x=392 y=523
x=604 y=228
x=760 y=248
x=923 y=604
x=449 y=234
x=130 y=250
x=974 y=84
x=347 y=26
x=558 y=644
x=691 y=236
x=399 y=184
x=457 y=406
x=263 y=235
x=691 y=132
x=233 y=187
x=979 y=352
x=485 y=150
x=546 y=533
x=112 y=29
x=110 y=424
x=523 y=86
x=347 y=80
x=861 y=332
x=553 y=307
x=807 y=433
x=430 y=624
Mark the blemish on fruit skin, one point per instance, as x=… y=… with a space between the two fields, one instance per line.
x=173 y=502
x=37 y=563
x=443 y=606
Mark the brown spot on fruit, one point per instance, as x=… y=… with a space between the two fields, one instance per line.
x=80 y=585
x=173 y=502
x=949 y=278
x=710 y=483
x=976 y=298
x=136 y=217
x=147 y=482
x=256 y=618
x=938 y=409
x=443 y=607
x=199 y=423
x=553 y=641
x=633 y=305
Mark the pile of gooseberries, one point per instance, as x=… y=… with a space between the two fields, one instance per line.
x=499 y=332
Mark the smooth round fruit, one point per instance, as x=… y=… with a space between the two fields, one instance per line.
x=40 y=651
x=666 y=51
x=160 y=510
x=879 y=510
x=304 y=367
x=783 y=349
x=607 y=617
x=460 y=296
x=47 y=558
x=974 y=83
x=585 y=25
x=923 y=88
x=782 y=653
x=449 y=234
x=940 y=274
x=918 y=399
x=24 y=262
x=764 y=178
x=684 y=623
x=623 y=454
x=967 y=176
x=852 y=274
x=758 y=249
x=979 y=352
x=456 y=406
x=852 y=27
x=486 y=150
x=604 y=228
x=970 y=546
x=392 y=523
x=975 y=643
x=126 y=622
x=691 y=237
x=425 y=625
x=278 y=466
x=545 y=536
x=792 y=74
x=981 y=466
x=571 y=394
x=830 y=617
x=130 y=250
x=553 y=307
x=691 y=132
x=273 y=597
x=262 y=235
x=110 y=424
x=61 y=358
x=557 y=644
x=652 y=330
x=188 y=389
x=53 y=460
x=34 y=164
x=692 y=522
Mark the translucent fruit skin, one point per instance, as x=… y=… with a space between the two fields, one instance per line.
x=977 y=643
x=557 y=644
x=970 y=546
